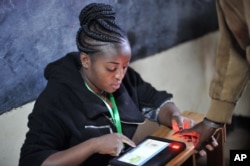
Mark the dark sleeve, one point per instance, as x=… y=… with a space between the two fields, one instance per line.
x=148 y=97
x=45 y=136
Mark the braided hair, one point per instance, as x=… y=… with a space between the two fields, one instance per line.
x=97 y=24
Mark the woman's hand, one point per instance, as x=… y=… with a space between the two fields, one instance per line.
x=112 y=144
x=180 y=122
x=171 y=116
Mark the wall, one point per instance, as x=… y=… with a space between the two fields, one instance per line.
x=13 y=128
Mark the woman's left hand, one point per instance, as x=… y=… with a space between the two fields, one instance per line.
x=171 y=116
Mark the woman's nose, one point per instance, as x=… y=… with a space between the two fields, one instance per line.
x=119 y=74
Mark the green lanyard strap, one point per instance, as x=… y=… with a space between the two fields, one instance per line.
x=113 y=111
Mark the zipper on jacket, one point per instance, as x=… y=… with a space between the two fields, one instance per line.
x=111 y=120
x=99 y=127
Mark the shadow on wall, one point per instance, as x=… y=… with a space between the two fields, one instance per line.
x=34 y=33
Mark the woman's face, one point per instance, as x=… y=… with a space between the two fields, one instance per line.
x=106 y=70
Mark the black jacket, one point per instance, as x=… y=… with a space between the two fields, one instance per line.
x=66 y=113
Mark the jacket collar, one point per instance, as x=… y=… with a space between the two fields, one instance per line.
x=128 y=111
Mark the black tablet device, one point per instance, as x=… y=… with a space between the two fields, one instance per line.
x=152 y=151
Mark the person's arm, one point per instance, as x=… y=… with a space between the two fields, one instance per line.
x=47 y=138
x=110 y=144
x=170 y=116
x=231 y=76
x=73 y=156
x=156 y=105
x=167 y=112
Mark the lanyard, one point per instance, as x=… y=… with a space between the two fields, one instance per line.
x=113 y=111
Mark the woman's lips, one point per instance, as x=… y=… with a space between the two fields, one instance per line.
x=116 y=86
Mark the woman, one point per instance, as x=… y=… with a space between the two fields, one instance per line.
x=93 y=101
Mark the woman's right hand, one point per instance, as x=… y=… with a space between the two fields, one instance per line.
x=112 y=144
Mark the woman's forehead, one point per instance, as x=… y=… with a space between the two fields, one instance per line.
x=115 y=49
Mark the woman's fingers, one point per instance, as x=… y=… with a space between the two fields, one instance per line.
x=126 y=140
x=179 y=123
x=121 y=139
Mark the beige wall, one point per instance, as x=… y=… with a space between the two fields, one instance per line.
x=184 y=70
x=13 y=128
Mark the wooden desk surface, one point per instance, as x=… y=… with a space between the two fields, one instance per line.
x=165 y=132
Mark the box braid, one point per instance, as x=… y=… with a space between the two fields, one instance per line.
x=97 y=23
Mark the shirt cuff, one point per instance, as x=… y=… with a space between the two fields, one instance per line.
x=220 y=111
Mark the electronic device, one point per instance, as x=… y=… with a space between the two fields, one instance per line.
x=152 y=151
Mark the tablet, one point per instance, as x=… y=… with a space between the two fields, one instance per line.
x=152 y=151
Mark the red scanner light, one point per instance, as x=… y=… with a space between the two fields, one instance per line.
x=175 y=146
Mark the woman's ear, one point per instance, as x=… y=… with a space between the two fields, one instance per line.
x=85 y=60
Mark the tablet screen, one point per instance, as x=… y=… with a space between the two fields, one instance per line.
x=143 y=152
x=151 y=151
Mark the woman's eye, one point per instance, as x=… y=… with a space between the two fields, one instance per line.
x=111 y=69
